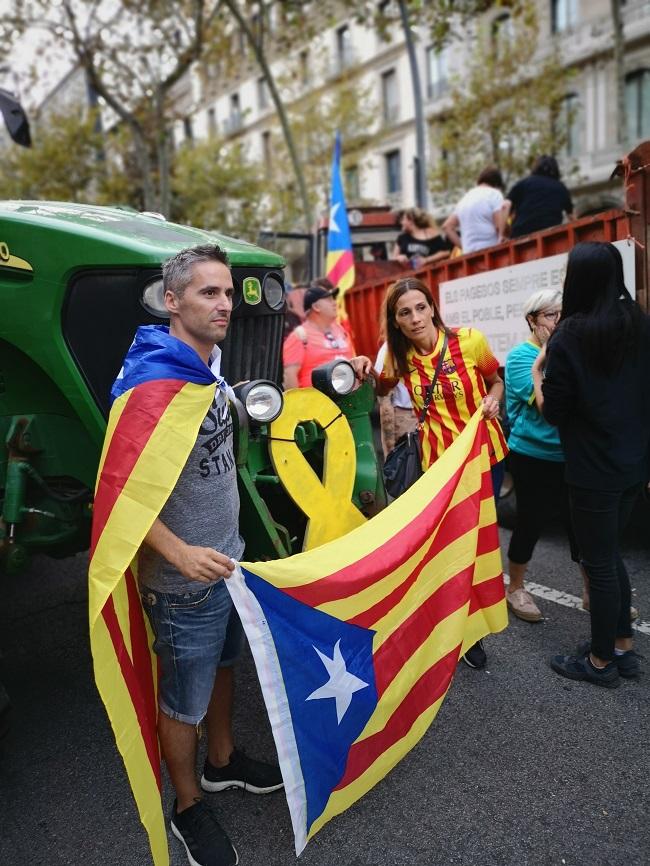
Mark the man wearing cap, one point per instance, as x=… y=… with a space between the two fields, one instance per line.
x=318 y=340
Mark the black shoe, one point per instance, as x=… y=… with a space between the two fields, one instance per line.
x=242 y=772
x=475 y=656
x=581 y=668
x=206 y=842
x=628 y=664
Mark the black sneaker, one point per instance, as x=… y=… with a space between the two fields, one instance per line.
x=242 y=772
x=206 y=842
x=475 y=657
x=581 y=668
x=628 y=664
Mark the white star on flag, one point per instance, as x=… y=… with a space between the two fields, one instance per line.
x=332 y=224
x=341 y=684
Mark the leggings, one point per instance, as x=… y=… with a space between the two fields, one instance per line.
x=540 y=489
x=599 y=518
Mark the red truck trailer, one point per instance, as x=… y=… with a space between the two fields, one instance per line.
x=364 y=299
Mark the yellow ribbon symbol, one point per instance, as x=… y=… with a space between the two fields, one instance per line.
x=327 y=503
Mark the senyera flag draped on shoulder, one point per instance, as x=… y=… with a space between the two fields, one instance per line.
x=356 y=642
x=340 y=261
x=160 y=400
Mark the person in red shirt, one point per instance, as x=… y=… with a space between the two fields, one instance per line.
x=318 y=340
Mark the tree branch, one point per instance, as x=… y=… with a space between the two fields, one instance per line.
x=279 y=107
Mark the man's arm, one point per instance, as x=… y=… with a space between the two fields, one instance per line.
x=195 y=563
x=290 y=379
x=500 y=218
x=450 y=230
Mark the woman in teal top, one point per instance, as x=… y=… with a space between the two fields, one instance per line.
x=536 y=461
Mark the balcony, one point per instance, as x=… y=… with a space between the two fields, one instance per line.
x=390 y=116
x=437 y=89
x=232 y=124
x=343 y=61
x=594 y=35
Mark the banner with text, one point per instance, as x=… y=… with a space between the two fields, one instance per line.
x=492 y=301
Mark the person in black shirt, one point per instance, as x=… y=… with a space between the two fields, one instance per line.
x=421 y=241
x=539 y=200
x=596 y=390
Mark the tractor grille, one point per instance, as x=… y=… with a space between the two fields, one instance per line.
x=253 y=349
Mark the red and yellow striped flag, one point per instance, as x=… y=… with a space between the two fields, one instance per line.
x=152 y=428
x=356 y=642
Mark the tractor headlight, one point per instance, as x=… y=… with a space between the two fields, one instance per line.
x=273 y=291
x=262 y=400
x=335 y=379
x=153 y=299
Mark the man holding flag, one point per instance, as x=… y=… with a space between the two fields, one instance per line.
x=167 y=494
x=355 y=642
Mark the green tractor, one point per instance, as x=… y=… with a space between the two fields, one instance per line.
x=75 y=283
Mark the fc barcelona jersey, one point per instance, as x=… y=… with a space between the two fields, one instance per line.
x=458 y=393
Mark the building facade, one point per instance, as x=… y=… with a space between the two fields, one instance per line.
x=237 y=106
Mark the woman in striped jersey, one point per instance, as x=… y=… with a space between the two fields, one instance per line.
x=468 y=379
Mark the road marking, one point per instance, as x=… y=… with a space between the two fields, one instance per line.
x=567 y=600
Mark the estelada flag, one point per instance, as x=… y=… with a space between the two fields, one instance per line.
x=356 y=642
x=340 y=260
x=160 y=400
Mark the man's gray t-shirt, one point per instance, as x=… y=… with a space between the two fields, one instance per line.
x=203 y=508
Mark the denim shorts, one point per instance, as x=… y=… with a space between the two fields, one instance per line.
x=195 y=633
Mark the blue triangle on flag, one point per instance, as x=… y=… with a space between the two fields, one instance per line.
x=319 y=654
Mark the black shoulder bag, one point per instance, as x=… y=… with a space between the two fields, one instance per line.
x=403 y=463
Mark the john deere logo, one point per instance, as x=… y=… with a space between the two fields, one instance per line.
x=9 y=261
x=252 y=290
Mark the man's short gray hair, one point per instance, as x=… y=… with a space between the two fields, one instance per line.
x=178 y=271
x=542 y=300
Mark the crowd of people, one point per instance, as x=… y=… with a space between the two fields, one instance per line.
x=573 y=392
x=578 y=405
x=577 y=400
x=484 y=216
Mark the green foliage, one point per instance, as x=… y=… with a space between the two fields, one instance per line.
x=215 y=186
x=138 y=56
x=119 y=180
x=133 y=54
x=504 y=109
x=344 y=105
x=444 y=18
x=63 y=164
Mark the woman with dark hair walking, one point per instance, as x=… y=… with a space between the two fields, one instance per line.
x=467 y=379
x=597 y=392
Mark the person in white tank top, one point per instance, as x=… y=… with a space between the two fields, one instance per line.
x=479 y=219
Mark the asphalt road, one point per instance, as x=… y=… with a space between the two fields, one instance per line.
x=520 y=767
